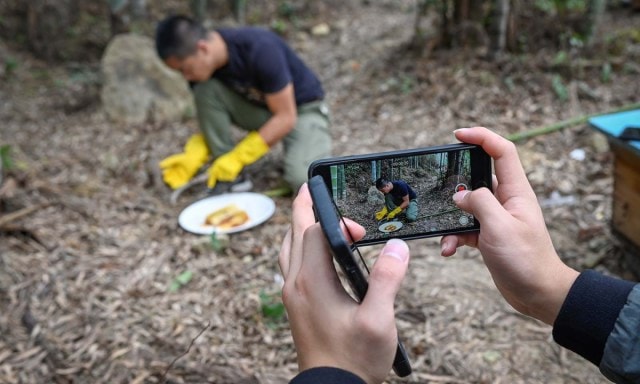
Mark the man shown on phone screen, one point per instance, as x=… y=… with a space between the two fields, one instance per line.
x=398 y=197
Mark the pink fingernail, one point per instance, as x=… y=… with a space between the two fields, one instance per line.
x=396 y=248
x=458 y=196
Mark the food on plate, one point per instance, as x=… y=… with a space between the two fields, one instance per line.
x=390 y=228
x=227 y=217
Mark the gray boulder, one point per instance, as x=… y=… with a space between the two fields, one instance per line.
x=375 y=197
x=138 y=87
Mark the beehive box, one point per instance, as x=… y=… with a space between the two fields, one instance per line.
x=626 y=192
x=625 y=220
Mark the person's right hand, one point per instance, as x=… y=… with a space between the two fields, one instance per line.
x=381 y=213
x=513 y=237
x=178 y=169
x=329 y=328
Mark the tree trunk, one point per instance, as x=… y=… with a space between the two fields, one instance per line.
x=591 y=24
x=198 y=9
x=498 y=30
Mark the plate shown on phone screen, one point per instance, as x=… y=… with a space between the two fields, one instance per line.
x=390 y=226
x=258 y=207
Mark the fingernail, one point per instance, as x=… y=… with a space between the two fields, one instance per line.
x=396 y=248
x=459 y=129
x=459 y=196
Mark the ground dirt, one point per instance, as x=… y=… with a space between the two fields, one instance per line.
x=87 y=260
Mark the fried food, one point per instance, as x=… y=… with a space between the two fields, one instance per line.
x=227 y=217
x=390 y=228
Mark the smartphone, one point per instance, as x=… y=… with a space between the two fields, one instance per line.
x=327 y=215
x=630 y=133
x=422 y=179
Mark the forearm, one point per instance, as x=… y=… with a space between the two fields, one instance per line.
x=545 y=301
x=276 y=128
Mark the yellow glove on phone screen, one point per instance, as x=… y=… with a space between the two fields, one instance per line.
x=178 y=169
x=380 y=214
x=394 y=213
x=228 y=166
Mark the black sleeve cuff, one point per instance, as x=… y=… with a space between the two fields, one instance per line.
x=589 y=313
x=326 y=375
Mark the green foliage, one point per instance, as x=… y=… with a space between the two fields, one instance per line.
x=576 y=40
x=509 y=83
x=559 y=88
x=181 y=280
x=618 y=43
x=407 y=83
x=560 y=6
x=286 y=9
x=218 y=242
x=10 y=65
x=116 y=5
x=272 y=308
x=404 y=83
x=562 y=57
x=606 y=72
x=5 y=157
x=279 y=27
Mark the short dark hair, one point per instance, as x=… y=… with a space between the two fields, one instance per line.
x=178 y=36
x=381 y=183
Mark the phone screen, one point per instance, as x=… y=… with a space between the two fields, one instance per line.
x=369 y=189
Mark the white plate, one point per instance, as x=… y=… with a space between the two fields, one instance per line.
x=258 y=207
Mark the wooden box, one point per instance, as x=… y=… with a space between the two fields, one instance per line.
x=626 y=192
x=625 y=220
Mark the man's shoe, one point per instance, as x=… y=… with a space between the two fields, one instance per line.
x=240 y=184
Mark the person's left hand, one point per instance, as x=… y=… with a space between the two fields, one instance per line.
x=394 y=213
x=228 y=166
x=329 y=328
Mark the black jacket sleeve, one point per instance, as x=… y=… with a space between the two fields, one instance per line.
x=589 y=313
x=326 y=375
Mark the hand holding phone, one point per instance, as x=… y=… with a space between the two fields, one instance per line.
x=329 y=328
x=342 y=253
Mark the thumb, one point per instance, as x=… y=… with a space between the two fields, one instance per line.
x=481 y=203
x=386 y=277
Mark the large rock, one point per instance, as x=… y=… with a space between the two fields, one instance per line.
x=138 y=86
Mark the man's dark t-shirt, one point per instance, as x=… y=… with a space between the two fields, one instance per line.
x=260 y=62
x=400 y=190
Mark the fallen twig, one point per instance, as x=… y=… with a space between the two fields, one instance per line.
x=565 y=124
x=163 y=379
x=9 y=217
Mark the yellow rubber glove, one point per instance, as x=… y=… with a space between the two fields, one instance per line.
x=228 y=166
x=394 y=213
x=178 y=169
x=380 y=214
